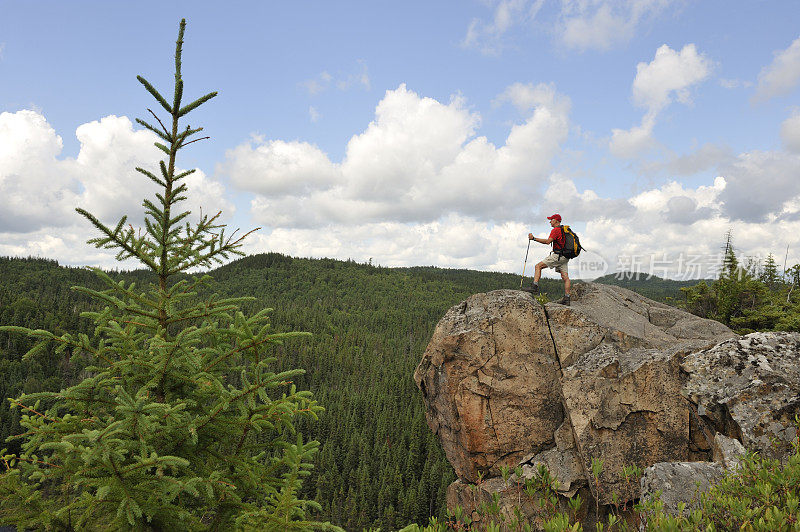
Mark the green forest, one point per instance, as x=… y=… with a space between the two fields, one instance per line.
x=379 y=464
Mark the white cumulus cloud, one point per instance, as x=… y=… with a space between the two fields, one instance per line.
x=279 y=168
x=669 y=75
x=628 y=143
x=562 y=196
x=666 y=78
x=760 y=183
x=34 y=192
x=418 y=160
x=527 y=96
x=39 y=190
x=780 y=76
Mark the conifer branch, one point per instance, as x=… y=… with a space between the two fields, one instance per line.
x=30 y=461
x=115 y=301
x=87 y=399
x=178 y=94
x=180 y=217
x=159 y=386
x=153 y=129
x=122 y=243
x=240 y=239
x=244 y=435
x=177 y=191
x=239 y=350
x=152 y=90
x=163 y=167
x=188 y=132
x=31 y=410
x=245 y=393
x=137 y=323
x=201 y=315
x=166 y=131
x=184 y=174
x=195 y=140
x=152 y=176
x=178 y=54
x=197 y=103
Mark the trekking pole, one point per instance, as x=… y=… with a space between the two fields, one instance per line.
x=525 y=263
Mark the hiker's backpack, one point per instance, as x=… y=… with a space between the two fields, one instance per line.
x=572 y=244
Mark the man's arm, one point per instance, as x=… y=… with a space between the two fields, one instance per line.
x=540 y=240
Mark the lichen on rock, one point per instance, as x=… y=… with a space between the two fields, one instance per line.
x=747 y=388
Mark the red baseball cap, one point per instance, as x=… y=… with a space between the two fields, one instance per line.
x=555 y=217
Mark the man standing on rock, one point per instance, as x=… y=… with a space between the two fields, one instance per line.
x=555 y=260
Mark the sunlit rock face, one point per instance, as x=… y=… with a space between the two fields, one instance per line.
x=615 y=377
x=490 y=380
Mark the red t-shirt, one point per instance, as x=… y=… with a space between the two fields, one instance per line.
x=557 y=234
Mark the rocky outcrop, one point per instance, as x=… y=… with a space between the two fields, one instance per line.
x=614 y=377
x=490 y=379
x=747 y=388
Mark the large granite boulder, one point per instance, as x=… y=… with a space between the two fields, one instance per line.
x=621 y=355
x=490 y=380
x=508 y=381
x=748 y=388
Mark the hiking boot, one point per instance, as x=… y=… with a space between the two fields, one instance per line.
x=533 y=289
x=563 y=301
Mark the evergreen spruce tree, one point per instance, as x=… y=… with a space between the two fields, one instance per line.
x=182 y=424
x=769 y=274
x=728 y=287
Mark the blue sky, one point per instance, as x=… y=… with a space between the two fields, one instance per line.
x=418 y=132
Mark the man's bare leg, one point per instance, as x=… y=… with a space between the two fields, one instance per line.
x=538 y=274
x=565 y=300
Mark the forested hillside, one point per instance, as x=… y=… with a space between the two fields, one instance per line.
x=379 y=463
x=36 y=293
